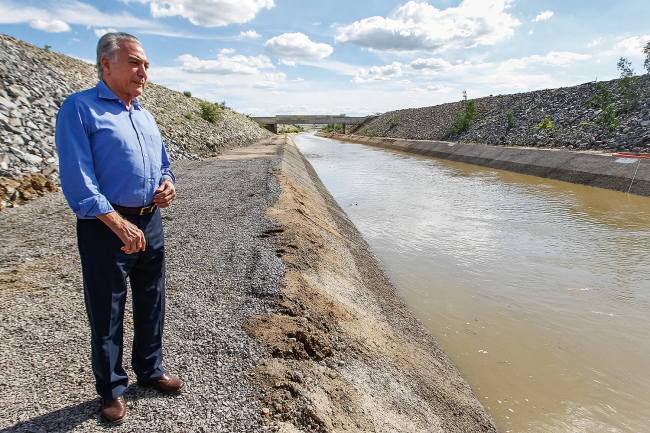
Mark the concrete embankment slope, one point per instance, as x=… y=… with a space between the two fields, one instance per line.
x=279 y=316
x=591 y=169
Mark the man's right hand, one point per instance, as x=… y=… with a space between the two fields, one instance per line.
x=132 y=236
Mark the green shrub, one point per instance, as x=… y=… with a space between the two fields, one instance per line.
x=162 y=111
x=222 y=105
x=604 y=100
x=332 y=128
x=463 y=121
x=187 y=93
x=601 y=98
x=607 y=118
x=47 y=47
x=365 y=130
x=627 y=86
x=210 y=112
x=289 y=130
x=546 y=125
x=510 y=118
x=393 y=121
x=150 y=85
x=188 y=116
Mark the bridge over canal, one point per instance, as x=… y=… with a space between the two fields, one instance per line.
x=273 y=122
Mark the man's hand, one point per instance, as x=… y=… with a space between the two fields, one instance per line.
x=165 y=194
x=132 y=236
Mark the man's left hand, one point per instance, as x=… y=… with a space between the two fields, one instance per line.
x=165 y=194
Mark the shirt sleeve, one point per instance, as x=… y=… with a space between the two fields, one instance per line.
x=78 y=180
x=164 y=168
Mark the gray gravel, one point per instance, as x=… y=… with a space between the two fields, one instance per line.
x=568 y=108
x=220 y=272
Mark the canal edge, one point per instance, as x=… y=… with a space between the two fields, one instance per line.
x=589 y=169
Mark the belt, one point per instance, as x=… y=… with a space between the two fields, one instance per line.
x=134 y=210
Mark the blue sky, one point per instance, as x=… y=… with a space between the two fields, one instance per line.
x=355 y=57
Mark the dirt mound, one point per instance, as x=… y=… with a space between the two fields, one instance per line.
x=347 y=354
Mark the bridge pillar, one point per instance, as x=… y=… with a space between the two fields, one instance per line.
x=343 y=129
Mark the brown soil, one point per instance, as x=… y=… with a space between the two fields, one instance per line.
x=19 y=191
x=347 y=353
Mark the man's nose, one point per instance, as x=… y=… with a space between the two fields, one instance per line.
x=142 y=71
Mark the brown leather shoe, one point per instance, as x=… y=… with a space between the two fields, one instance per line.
x=114 y=411
x=167 y=384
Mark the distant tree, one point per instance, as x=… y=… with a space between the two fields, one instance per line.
x=342 y=114
x=646 y=51
x=47 y=47
x=222 y=105
x=625 y=66
x=627 y=85
x=187 y=93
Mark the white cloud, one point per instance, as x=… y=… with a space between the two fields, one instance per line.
x=250 y=34
x=404 y=82
x=422 y=27
x=227 y=50
x=287 y=62
x=53 y=26
x=595 y=42
x=101 y=32
x=208 y=13
x=394 y=69
x=72 y=12
x=265 y=85
x=432 y=64
x=297 y=46
x=553 y=58
x=633 y=45
x=434 y=88
x=544 y=16
x=298 y=79
x=277 y=92
x=275 y=77
x=237 y=65
x=379 y=73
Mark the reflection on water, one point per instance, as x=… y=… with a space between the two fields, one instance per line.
x=538 y=290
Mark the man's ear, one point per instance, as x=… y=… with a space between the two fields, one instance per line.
x=106 y=64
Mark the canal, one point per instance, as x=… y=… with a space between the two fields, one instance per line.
x=538 y=290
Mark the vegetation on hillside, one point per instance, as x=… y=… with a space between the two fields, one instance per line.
x=464 y=119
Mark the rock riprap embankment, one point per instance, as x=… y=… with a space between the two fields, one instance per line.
x=574 y=120
x=34 y=83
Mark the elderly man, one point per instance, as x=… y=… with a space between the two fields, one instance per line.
x=115 y=175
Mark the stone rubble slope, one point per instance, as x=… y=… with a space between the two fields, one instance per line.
x=566 y=107
x=34 y=83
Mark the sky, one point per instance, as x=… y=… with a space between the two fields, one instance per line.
x=268 y=57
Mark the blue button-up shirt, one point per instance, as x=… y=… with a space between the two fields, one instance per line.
x=108 y=153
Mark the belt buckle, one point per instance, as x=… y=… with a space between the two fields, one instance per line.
x=142 y=210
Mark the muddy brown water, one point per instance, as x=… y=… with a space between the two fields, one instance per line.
x=538 y=290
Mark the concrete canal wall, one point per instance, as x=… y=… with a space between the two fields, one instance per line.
x=599 y=170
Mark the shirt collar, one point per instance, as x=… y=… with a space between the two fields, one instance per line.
x=105 y=93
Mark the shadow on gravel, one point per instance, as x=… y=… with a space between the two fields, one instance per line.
x=68 y=418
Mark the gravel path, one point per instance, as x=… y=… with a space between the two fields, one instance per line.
x=221 y=269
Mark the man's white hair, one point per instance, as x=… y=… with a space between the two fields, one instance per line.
x=108 y=46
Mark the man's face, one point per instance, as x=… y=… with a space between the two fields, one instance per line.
x=127 y=75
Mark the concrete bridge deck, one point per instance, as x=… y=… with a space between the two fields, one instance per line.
x=273 y=122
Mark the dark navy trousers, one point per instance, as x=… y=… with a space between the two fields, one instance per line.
x=105 y=269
